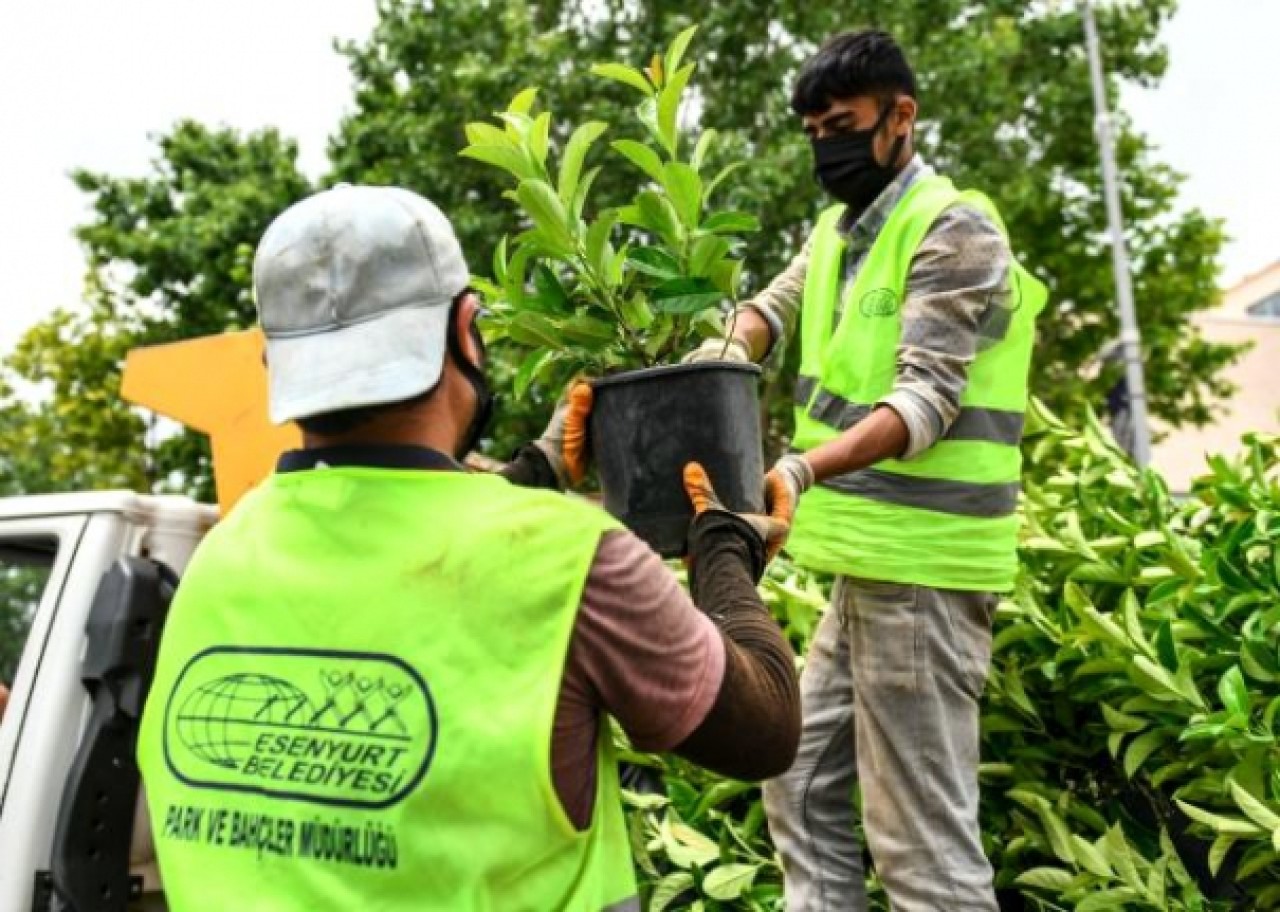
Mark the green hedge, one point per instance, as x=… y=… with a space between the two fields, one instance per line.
x=1129 y=740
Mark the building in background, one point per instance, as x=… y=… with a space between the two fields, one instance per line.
x=1249 y=312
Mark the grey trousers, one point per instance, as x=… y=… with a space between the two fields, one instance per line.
x=890 y=697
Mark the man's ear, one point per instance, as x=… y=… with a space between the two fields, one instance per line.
x=464 y=318
x=905 y=110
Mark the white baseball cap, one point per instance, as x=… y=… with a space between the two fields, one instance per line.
x=353 y=287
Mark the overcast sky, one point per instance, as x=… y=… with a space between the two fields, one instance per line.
x=84 y=83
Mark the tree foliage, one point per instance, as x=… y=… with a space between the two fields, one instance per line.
x=1006 y=108
x=170 y=256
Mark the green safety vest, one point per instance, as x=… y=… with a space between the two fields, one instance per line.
x=354 y=703
x=946 y=518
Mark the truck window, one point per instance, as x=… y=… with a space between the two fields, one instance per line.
x=25 y=565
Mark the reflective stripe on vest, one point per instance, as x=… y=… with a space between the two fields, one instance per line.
x=961 y=498
x=354 y=701
x=947 y=517
x=972 y=423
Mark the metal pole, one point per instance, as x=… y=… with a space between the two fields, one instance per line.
x=1130 y=337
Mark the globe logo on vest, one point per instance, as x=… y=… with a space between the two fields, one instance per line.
x=338 y=728
x=882 y=302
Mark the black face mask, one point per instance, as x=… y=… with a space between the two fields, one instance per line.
x=475 y=376
x=846 y=166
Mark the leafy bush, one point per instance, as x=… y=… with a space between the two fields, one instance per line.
x=626 y=287
x=1129 y=739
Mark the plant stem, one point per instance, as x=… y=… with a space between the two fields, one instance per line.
x=733 y=325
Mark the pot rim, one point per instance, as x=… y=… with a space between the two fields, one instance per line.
x=667 y=370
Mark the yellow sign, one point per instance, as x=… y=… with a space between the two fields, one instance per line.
x=218 y=385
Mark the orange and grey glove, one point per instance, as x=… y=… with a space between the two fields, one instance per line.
x=770 y=528
x=794 y=474
x=564 y=442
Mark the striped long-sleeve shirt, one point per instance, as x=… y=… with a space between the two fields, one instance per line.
x=956 y=304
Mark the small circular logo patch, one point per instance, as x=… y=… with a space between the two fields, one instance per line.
x=879 y=303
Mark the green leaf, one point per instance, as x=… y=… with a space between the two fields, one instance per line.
x=1122 y=722
x=641 y=156
x=1218 y=852
x=584 y=187
x=529 y=368
x=550 y=292
x=675 y=53
x=1234 y=693
x=725 y=173
x=685 y=296
x=684 y=189
x=669 y=889
x=500 y=261
x=1255 y=809
x=708 y=251
x=1218 y=822
x=588 y=330
x=654 y=261
x=534 y=329
x=731 y=222
x=703 y=147
x=637 y=313
x=504 y=157
x=687 y=847
x=483 y=134
x=1089 y=856
x=547 y=212
x=540 y=138
x=625 y=75
x=727 y=277
x=1119 y=857
x=730 y=881
x=596 y=245
x=1140 y=749
x=1108 y=900
x=643 y=800
x=523 y=102
x=669 y=107
x=1258 y=661
x=1055 y=880
x=709 y=325
x=660 y=217
x=575 y=153
x=1158 y=682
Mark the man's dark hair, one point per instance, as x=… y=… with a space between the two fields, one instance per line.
x=850 y=64
x=331 y=424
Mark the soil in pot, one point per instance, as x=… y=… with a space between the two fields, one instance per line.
x=647 y=424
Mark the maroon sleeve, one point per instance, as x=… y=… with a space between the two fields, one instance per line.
x=642 y=653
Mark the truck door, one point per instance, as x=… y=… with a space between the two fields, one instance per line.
x=37 y=555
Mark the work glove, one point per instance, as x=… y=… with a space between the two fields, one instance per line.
x=719 y=350
x=564 y=442
x=771 y=528
x=795 y=475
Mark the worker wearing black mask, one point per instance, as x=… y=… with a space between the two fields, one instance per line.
x=914 y=357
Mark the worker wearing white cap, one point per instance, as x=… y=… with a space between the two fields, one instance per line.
x=384 y=680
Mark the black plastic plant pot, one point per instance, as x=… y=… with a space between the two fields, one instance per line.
x=646 y=425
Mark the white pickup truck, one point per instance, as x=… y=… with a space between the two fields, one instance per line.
x=85 y=582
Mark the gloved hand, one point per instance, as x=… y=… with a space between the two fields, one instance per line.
x=795 y=475
x=772 y=528
x=564 y=442
x=719 y=350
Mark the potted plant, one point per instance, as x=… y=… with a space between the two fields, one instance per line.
x=620 y=293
